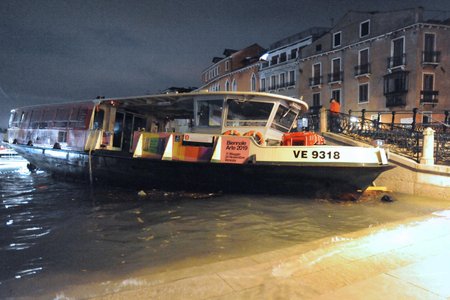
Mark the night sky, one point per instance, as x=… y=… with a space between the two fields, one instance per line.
x=62 y=50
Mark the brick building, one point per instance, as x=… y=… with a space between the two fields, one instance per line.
x=380 y=61
x=236 y=71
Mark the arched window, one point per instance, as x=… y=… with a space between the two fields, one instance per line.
x=253 y=83
x=227 y=85
x=234 y=85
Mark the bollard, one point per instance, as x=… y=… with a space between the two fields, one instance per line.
x=323 y=120
x=428 y=147
x=413 y=124
x=393 y=120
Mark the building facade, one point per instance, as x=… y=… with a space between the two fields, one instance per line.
x=380 y=61
x=236 y=71
x=278 y=73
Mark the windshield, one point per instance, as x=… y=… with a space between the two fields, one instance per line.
x=248 y=113
x=284 y=118
x=209 y=112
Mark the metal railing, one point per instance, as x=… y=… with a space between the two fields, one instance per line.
x=396 y=61
x=317 y=80
x=403 y=139
x=362 y=69
x=429 y=97
x=431 y=57
x=336 y=77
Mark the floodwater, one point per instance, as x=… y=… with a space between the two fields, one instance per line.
x=54 y=234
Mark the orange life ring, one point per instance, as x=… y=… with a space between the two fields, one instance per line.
x=257 y=136
x=232 y=132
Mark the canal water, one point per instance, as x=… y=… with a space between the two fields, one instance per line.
x=54 y=234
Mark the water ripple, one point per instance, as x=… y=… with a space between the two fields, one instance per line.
x=55 y=232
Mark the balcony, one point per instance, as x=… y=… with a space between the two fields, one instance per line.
x=396 y=88
x=429 y=97
x=361 y=70
x=396 y=61
x=395 y=99
x=335 y=77
x=282 y=85
x=315 y=81
x=431 y=57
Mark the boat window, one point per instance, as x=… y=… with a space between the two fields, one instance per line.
x=47 y=119
x=284 y=118
x=98 y=119
x=78 y=118
x=62 y=137
x=34 y=119
x=209 y=112
x=139 y=124
x=25 y=119
x=62 y=117
x=13 y=119
x=248 y=113
x=118 y=130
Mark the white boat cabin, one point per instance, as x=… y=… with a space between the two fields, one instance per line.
x=115 y=124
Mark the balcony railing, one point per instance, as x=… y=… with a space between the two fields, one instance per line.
x=431 y=57
x=429 y=97
x=335 y=77
x=396 y=61
x=281 y=85
x=395 y=99
x=362 y=69
x=313 y=81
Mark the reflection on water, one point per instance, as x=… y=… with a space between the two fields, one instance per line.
x=56 y=233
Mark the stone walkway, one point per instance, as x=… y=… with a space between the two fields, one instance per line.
x=403 y=260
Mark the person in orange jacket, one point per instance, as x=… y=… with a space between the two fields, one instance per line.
x=335 y=110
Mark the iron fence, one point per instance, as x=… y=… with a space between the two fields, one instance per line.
x=400 y=138
x=404 y=139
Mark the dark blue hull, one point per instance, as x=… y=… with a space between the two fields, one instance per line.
x=107 y=167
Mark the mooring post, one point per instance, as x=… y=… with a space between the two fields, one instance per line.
x=446 y=121
x=363 y=118
x=323 y=120
x=378 y=121
x=428 y=147
x=393 y=120
x=413 y=125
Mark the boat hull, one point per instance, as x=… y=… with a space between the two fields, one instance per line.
x=104 y=167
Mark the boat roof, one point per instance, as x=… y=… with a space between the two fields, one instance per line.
x=178 y=103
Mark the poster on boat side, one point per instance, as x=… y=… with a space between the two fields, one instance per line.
x=235 y=150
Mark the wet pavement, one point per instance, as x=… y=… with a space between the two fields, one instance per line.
x=400 y=260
